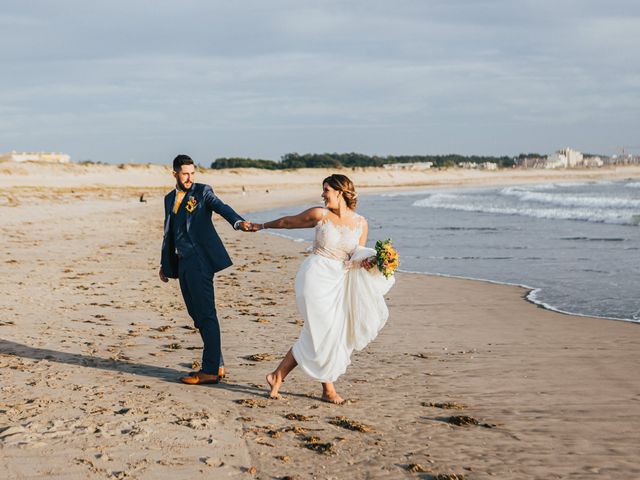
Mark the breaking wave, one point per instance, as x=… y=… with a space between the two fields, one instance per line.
x=538 y=203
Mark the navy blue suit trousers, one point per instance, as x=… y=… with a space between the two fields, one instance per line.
x=196 y=285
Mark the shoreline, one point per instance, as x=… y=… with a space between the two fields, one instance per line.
x=527 y=296
x=530 y=290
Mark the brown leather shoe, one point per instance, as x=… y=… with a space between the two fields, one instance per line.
x=222 y=373
x=200 y=378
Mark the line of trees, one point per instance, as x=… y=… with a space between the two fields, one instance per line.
x=348 y=160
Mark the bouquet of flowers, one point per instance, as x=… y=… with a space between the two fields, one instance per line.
x=386 y=257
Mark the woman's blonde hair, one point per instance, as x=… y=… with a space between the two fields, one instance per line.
x=342 y=184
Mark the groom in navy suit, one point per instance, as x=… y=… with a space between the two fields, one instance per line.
x=192 y=252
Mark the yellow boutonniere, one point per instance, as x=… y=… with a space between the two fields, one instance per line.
x=191 y=204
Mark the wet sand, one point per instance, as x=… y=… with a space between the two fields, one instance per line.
x=467 y=377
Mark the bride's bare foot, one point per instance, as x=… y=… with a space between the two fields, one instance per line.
x=275 y=381
x=332 y=398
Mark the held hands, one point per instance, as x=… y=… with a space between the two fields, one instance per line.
x=250 y=226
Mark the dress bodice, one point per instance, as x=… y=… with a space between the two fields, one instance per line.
x=337 y=241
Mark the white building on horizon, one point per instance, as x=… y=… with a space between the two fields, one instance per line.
x=565 y=158
x=42 y=157
x=478 y=166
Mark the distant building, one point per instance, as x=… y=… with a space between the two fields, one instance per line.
x=626 y=159
x=45 y=157
x=556 y=160
x=479 y=166
x=531 y=162
x=574 y=158
x=409 y=166
x=488 y=166
x=565 y=158
x=593 y=162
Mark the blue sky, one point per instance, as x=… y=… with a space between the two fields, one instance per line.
x=144 y=80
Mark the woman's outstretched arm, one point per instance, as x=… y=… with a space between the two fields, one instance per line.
x=307 y=219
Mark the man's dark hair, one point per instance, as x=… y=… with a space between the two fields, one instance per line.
x=181 y=160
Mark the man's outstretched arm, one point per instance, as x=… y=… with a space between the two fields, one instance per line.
x=214 y=203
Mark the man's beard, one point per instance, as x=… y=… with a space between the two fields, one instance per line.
x=181 y=186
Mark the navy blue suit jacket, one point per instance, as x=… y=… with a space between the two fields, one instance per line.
x=200 y=229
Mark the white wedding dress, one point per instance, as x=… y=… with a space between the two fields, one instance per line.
x=341 y=303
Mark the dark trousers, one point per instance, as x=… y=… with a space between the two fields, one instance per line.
x=196 y=284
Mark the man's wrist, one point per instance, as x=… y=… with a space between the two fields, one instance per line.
x=235 y=225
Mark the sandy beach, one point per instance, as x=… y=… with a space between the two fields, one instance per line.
x=467 y=380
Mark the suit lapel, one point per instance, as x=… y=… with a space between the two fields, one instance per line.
x=190 y=193
x=171 y=198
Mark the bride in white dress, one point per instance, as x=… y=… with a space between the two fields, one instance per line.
x=338 y=293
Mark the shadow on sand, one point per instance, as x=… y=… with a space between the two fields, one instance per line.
x=165 y=374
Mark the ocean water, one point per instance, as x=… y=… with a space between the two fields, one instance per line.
x=576 y=245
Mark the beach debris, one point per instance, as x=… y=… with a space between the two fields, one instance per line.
x=195 y=365
x=415 y=468
x=245 y=419
x=265 y=443
x=260 y=357
x=344 y=422
x=252 y=403
x=466 y=420
x=250 y=470
x=283 y=458
x=313 y=443
x=448 y=476
x=163 y=328
x=295 y=429
x=445 y=405
x=119 y=356
x=174 y=346
x=462 y=420
x=299 y=417
x=262 y=320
